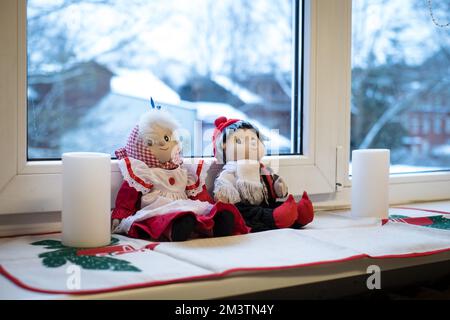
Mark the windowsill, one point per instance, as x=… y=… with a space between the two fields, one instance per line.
x=249 y=283
x=244 y=284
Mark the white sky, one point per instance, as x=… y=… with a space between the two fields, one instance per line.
x=168 y=29
x=177 y=30
x=416 y=38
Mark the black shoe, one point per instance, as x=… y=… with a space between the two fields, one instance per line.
x=223 y=224
x=183 y=227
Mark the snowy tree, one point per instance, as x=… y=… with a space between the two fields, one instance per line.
x=400 y=61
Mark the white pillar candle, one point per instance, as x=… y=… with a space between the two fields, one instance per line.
x=370 y=183
x=86 y=199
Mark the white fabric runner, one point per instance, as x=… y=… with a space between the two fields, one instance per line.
x=390 y=239
x=41 y=264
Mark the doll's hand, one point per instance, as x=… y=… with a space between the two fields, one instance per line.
x=227 y=195
x=114 y=224
x=280 y=187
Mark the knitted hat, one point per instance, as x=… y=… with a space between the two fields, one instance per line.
x=221 y=124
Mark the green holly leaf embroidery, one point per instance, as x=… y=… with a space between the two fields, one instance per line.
x=62 y=254
x=440 y=222
x=102 y=263
x=49 y=244
x=397 y=216
x=53 y=262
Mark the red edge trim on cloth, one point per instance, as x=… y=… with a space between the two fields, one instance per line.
x=117 y=249
x=134 y=177
x=198 y=172
x=19 y=283
x=419 y=209
x=418 y=221
x=164 y=282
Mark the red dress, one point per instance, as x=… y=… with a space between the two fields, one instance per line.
x=151 y=198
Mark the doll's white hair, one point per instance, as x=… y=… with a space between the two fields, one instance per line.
x=159 y=118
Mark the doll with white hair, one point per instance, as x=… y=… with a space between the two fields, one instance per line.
x=160 y=197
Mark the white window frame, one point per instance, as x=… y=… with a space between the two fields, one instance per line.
x=27 y=187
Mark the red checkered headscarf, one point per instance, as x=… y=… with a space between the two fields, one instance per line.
x=135 y=148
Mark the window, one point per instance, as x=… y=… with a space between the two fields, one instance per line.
x=437 y=125
x=400 y=78
x=90 y=78
x=30 y=180
x=426 y=125
x=415 y=124
x=322 y=60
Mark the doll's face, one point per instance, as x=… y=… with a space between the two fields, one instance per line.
x=162 y=143
x=243 y=144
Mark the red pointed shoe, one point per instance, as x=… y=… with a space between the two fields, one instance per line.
x=305 y=210
x=286 y=214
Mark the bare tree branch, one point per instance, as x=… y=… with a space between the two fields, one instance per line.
x=392 y=112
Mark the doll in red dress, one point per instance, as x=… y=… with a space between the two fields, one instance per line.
x=160 y=197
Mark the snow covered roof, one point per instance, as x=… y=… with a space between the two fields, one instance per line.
x=106 y=126
x=143 y=84
x=441 y=151
x=210 y=111
x=242 y=93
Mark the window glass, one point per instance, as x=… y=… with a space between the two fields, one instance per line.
x=401 y=81
x=93 y=66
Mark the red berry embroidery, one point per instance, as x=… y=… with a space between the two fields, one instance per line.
x=172 y=180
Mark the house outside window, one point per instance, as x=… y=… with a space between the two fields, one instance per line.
x=426 y=125
x=437 y=125
x=415 y=125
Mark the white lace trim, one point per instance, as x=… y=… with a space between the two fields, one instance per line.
x=126 y=176
x=202 y=179
x=167 y=207
x=124 y=225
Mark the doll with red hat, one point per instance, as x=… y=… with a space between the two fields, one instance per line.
x=160 y=197
x=252 y=187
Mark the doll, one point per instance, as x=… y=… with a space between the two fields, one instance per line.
x=160 y=198
x=247 y=183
